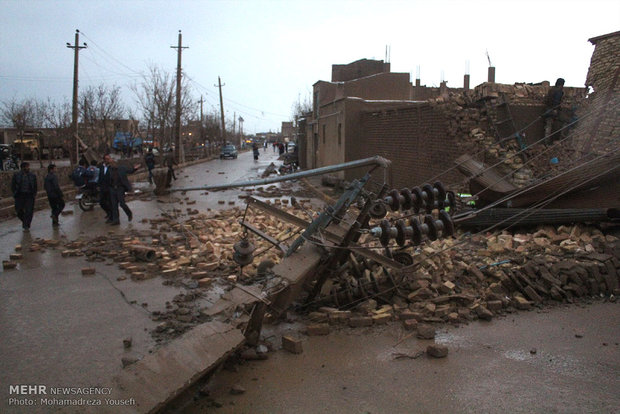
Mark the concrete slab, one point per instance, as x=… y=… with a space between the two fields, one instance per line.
x=158 y=378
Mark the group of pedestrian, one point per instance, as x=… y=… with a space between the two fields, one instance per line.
x=110 y=178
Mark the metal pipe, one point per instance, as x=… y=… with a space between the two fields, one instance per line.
x=375 y=161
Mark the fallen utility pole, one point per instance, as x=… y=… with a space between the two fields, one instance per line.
x=376 y=161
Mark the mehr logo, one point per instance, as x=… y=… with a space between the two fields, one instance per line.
x=28 y=389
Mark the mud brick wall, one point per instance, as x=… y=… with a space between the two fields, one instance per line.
x=414 y=139
x=599 y=132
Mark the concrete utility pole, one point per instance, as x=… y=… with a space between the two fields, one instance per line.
x=179 y=154
x=241 y=139
x=219 y=85
x=74 y=112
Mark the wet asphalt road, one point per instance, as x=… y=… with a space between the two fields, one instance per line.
x=60 y=328
x=531 y=362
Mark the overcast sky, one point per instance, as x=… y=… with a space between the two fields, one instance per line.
x=270 y=53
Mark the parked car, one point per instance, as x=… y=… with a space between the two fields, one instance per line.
x=228 y=151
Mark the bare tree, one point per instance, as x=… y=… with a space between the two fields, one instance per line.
x=98 y=105
x=58 y=118
x=27 y=112
x=155 y=97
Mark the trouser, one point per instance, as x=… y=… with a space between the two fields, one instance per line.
x=57 y=204
x=104 y=202
x=151 y=175
x=117 y=197
x=24 y=207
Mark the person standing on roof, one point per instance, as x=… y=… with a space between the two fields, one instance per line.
x=553 y=100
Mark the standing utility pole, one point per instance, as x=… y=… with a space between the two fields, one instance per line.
x=74 y=113
x=202 y=129
x=179 y=155
x=223 y=135
x=241 y=131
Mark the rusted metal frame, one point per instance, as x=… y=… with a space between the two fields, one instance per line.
x=332 y=237
x=340 y=255
x=327 y=216
x=265 y=236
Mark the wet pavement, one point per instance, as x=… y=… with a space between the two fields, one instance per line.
x=560 y=360
x=62 y=329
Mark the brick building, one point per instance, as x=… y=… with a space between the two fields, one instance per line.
x=599 y=130
x=422 y=130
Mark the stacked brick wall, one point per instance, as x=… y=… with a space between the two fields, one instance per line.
x=414 y=139
x=599 y=132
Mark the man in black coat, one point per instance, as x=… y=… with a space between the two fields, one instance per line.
x=54 y=193
x=24 y=188
x=105 y=187
x=119 y=184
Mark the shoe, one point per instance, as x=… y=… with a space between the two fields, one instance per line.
x=108 y=221
x=26 y=228
x=115 y=223
x=129 y=216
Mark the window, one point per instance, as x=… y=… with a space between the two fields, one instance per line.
x=323 y=133
x=339 y=134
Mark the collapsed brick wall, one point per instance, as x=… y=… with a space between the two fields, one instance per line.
x=471 y=116
x=599 y=131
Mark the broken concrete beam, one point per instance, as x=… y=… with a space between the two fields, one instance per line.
x=292 y=345
x=181 y=363
x=15 y=256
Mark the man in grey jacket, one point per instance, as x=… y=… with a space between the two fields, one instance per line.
x=54 y=193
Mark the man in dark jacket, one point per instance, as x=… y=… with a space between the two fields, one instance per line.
x=119 y=184
x=24 y=188
x=54 y=193
x=149 y=160
x=104 y=187
x=553 y=100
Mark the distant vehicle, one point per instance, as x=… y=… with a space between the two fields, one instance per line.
x=228 y=151
x=124 y=140
x=10 y=160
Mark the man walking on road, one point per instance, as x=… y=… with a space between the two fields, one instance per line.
x=119 y=184
x=54 y=193
x=24 y=188
x=104 y=187
x=149 y=160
